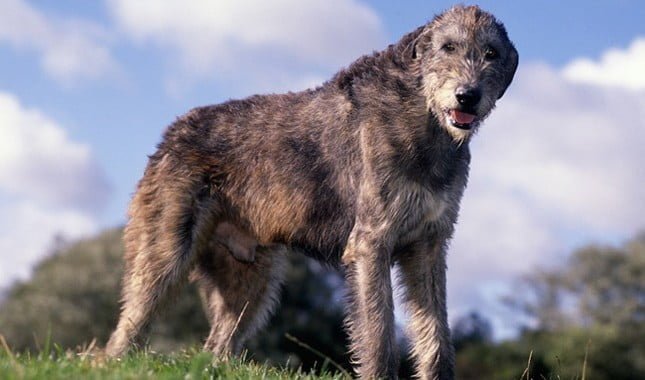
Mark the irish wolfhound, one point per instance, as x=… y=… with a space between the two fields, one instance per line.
x=364 y=172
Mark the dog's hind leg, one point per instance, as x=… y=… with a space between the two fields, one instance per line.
x=239 y=243
x=169 y=221
x=238 y=296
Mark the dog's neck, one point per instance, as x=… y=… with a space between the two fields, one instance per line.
x=396 y=64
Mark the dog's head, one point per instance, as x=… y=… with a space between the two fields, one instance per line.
x=466 y=62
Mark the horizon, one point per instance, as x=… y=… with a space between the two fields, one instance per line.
x=87 y=88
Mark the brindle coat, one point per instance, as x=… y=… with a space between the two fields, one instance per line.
x=364 y=172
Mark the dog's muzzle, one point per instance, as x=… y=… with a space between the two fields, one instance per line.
x=465 y=116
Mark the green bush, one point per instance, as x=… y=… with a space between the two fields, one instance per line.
x=72 y=298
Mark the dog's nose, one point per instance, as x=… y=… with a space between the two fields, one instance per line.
x=468 y=96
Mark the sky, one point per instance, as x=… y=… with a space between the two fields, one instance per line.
x=87 y=88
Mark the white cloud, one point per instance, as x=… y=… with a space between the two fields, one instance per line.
x=557 y=165
x=246 y=40
x=38 y=161
x=28 y=231
x=620 y=68
x=49 y=185
x=70 y=50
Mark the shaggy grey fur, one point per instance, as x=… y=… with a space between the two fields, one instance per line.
x=364 y=172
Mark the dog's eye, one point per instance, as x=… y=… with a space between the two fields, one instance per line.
x=448 y=47
x=491 y=53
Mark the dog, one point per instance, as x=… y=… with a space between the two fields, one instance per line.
x=364 y=172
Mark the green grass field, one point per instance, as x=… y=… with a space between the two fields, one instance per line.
x=192 y=364
x=53 y=362
x=59 y=364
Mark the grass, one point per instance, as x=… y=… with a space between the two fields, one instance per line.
x=57 y=363
x=54 y=362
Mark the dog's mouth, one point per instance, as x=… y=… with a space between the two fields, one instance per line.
x=460 y=119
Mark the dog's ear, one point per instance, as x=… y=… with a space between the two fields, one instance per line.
x=511 y=61
x=417 y=40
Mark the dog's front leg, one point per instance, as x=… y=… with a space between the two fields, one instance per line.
x=370 y=316
x=423 y=273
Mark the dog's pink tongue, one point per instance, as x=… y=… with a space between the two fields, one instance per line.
x=462 y=117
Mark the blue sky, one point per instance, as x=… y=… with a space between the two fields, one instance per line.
x=86 y=89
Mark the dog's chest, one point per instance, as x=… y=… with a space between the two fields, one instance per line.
x=415 y=207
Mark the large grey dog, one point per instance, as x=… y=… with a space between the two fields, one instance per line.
x=364 y=172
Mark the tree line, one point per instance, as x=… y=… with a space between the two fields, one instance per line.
x=590 y=313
